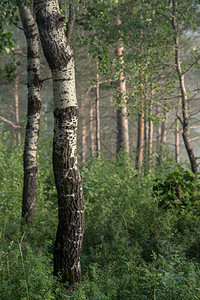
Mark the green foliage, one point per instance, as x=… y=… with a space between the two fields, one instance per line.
x=132 y=248
x=176 y=190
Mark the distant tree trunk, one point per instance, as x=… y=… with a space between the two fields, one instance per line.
x=140 y=141
x=162 y=139
x=177 y=135
x=98 y=147
x=83 y=136
x=158 y=139
x=92 y=137
x=185 y=109
x=34 y=111
x=122 y=121
x=150 y=135
x=146 y=143
x=59 y=55
x=16 y=97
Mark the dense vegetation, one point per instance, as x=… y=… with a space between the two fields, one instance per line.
x=134 y=248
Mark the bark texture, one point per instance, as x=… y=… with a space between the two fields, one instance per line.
x=122 y=121
x=59 y=55
x=185 y=109
x=34 y=111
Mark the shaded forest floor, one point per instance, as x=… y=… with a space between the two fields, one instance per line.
x=140 y=242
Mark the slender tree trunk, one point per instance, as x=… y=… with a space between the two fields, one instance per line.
x=83 y=137
x=92 y=136
x=162 y=140
x=34 y=111
x=177 y=135
x=59 y=55
x=158 y=139
x=146 y=143
x=98 y=147
x=150 y=135
x=140 y=142
x=185 y=109
x=122 y=121
x=16 y=97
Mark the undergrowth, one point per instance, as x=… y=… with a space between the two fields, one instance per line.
x=133 y=247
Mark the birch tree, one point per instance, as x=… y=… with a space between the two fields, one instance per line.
x=34 y=110
x=59 y=55
x=177 y=26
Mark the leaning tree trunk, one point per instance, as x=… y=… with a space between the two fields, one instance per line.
x=185 y=109
x=122 y=121
x=34 y=110
x=59 y=55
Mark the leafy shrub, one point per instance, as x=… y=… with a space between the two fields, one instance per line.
x=176 y=190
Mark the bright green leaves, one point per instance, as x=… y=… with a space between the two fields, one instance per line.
x=8 y=18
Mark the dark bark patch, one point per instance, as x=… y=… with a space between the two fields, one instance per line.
x=34 y=105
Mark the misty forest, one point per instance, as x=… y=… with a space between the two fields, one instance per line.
x=100 y=149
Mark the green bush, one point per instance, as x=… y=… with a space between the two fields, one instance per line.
x=176 y=190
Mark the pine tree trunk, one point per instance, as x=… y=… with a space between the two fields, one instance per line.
x=34 y=111
x=185 y=109
x=59 y=55
x=122 y=121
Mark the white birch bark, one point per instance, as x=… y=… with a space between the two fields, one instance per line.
x=59 y=56
x=33 y=115
x=184 y=97
x=122 y=120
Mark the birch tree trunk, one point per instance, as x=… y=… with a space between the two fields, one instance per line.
x=122 y=121
x=59 y=55
x=33 y=115
x=185 y=109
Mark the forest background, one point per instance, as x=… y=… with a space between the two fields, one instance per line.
x=137 y=79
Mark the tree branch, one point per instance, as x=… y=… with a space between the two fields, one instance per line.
x=71 y=20
x=191 y=66
x=11 y=123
